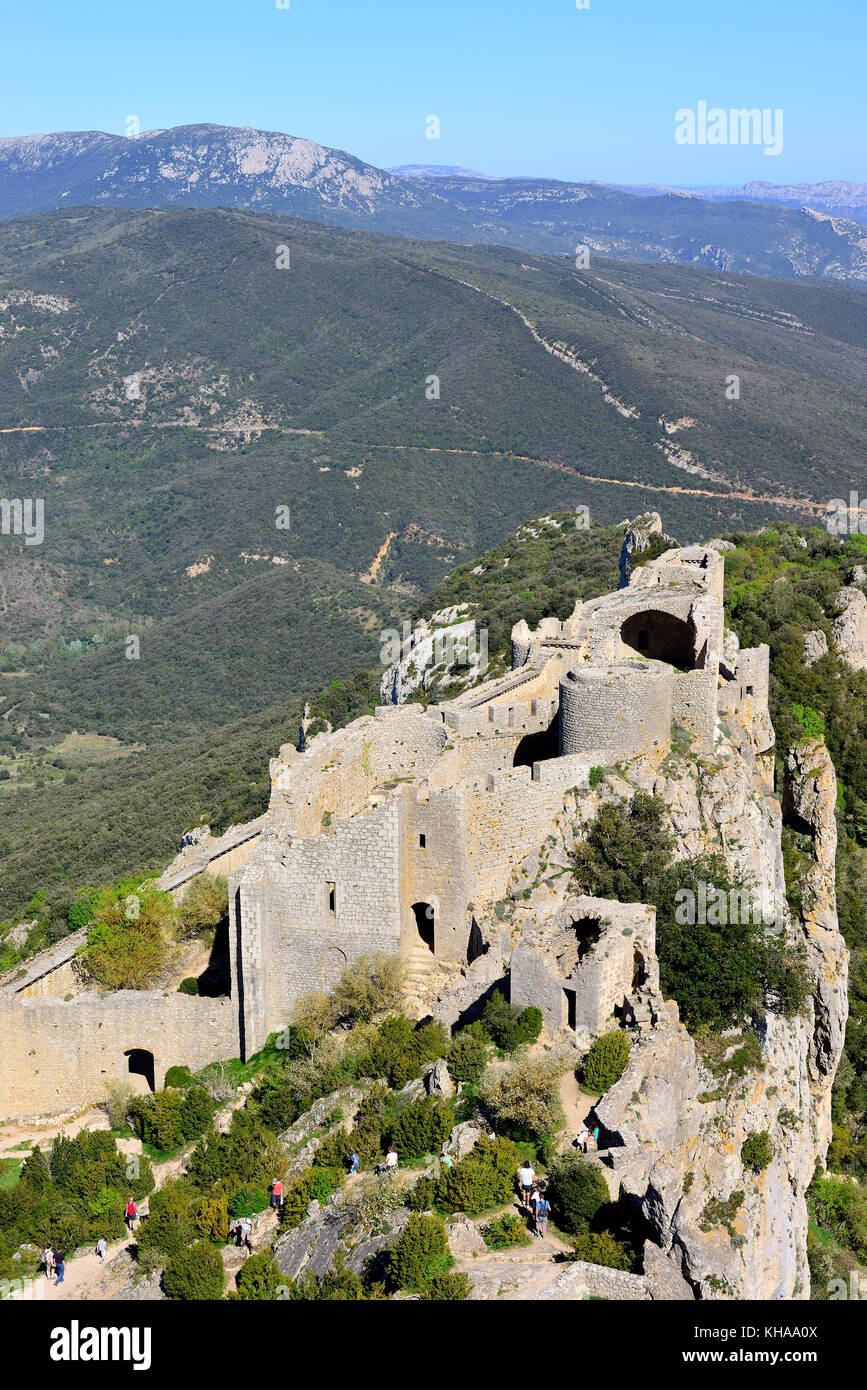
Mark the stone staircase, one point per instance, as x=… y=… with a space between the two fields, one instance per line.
x=422 y=978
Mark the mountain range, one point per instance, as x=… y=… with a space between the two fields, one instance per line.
x=209 y=166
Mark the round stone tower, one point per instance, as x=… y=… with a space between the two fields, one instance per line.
x=624 y=706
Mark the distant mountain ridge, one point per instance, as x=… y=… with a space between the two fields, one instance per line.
x=211 y=166
x=836 y=197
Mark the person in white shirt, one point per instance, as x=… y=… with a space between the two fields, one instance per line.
x=526 y=1178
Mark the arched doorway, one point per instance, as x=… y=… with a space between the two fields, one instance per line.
x=661 y=637
x=140 y=1069
x=425 y=922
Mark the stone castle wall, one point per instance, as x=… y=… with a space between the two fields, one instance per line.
x=60 y=1056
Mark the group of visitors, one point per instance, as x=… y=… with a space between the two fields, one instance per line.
x=533 y=1197
x=55 y=1264
x=587 y=1139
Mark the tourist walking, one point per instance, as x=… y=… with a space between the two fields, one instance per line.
x=48 y=1257
x=526 y=1179
x=353 y=1162
x=541 y=1211
x=60 y=1266
x=131 y=1213
x=277 y=1193
x=100 y=1249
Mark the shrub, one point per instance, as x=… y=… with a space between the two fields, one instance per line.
x=597 y=776
x=179 y=1077
x=127 y=943
x=190 y=985
x=606 y=1061
x=249 y=1154
x=509 y=1026
x=400 y=1049
x=506 y=1231
x=212 y=1220
x=484 y=1179
x=204 y=905
x=369 y=985
x=312 y=1016
x=576 y=1192
x=757 y=1151
x=170 y=1225
x=247 y=1201
x=422 y=1195
x=467 y=1057
x=600 y=1248
x=195 y=1275
x=120 y=1094
x=525 y=1096
x=421 y=1252
x=171 y=1118
x=422 y=1127
x=259 y=1278
x=451 y=1286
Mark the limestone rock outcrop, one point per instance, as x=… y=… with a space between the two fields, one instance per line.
x=850 y=627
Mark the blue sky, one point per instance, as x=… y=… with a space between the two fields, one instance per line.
x=519 y=86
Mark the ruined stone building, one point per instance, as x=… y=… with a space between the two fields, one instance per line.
x=402 y=831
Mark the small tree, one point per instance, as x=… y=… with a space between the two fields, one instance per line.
x=421 y=1252
x=195 y=1275
x=577 y=1190
x=259 y=1278
x=204 y=905
x=369 y=985
x=212 y=1219
x=525 y=1095
x=606 y=1061
x=467 y=1057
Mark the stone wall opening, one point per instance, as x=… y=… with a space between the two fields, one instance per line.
x=140 y=1069
x=425 y=925
x=538 y=747
x=570 y=1009
x=661 y=637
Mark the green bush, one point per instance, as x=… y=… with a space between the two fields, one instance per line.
x=171 y=1118
x=422 y=1127
x=250 y=1154
x=757 y=1151
x=212 y=1220
x=259 y=1278
x=576 y=1192
x=179 y=1077
x=606 y=1061
x=195 y=1275
x=484 y=1179
x=467 y=1057
x=247 y=1201
x=420 y=1253
x=127 y=943
x=452 y=1286
x=189 y=986
x=204 y=904
x=509 y=1026
x=401 y=1049
x=506 y=1231
x=170 y=1225
x=600 y=1248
